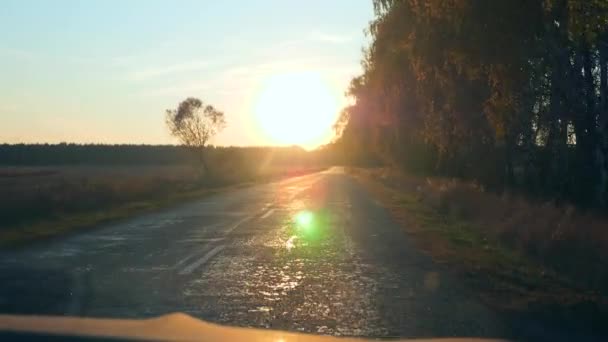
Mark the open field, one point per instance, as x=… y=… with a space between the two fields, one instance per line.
x=521 y=256
x=38 y=202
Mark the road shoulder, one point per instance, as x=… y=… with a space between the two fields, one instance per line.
x=520 y=289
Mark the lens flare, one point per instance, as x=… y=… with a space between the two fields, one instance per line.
x=304 y=219
x=308 y=225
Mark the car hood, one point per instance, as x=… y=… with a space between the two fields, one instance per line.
x=172 y=327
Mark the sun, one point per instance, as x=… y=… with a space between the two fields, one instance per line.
x=296 y=108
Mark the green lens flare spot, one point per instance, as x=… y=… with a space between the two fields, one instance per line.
x=308 y=225
x=304 y=219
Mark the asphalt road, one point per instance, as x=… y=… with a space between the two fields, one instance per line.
x=314 y=254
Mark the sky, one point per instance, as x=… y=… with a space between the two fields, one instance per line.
x=105 y=71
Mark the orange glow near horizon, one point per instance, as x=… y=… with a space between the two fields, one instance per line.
x=296 y=108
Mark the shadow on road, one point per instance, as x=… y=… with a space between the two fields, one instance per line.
x=42 y=291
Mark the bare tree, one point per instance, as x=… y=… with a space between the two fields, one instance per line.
x=194 y=124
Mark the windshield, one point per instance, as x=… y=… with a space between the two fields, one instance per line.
x=364 y=168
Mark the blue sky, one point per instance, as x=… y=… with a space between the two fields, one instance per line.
x=105 y=71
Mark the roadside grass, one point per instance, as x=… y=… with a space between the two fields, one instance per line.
x=51 y=202
x=504 y=277
x=63 y=223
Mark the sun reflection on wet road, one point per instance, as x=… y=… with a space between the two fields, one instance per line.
x=290 y=244
x=298 y=271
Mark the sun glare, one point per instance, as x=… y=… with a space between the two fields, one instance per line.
x=296 y=109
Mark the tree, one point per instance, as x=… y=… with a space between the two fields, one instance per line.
x=463 y=89
x=194 y=124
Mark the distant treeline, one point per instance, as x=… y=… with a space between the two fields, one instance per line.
x=92 y=154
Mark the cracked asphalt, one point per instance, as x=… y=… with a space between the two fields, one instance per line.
x=312 y=254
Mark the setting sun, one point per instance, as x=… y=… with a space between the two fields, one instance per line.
x=296 y=108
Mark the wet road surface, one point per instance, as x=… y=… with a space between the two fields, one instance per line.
x=313 y=254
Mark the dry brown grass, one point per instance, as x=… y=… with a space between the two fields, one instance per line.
x=570 y=242
x=564 y=239
x=528 y=260
x=28 y=194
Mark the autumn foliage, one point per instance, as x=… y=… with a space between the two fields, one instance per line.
x=510 y=93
